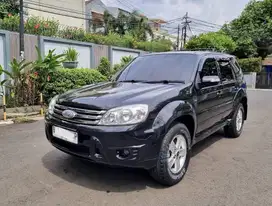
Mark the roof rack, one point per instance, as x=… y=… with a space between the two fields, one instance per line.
x=203 y=49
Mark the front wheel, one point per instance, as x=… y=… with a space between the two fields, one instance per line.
x=174 y=156
x=235 y=128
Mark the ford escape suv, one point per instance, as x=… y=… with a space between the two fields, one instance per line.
x=152 y=112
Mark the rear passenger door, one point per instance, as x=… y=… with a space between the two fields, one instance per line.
x=208 y=104
x=229 y=86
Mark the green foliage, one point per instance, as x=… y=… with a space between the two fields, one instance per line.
x=117 y=35
x=104 y=67
x=10 y=23
x=72 y=33
x=254 y=25
x=154 y=46
x=3 y=82
x=213 y=40
x=124 y=62
x=250 y=64
x=40 y=26
x=8 y=6
x=43 y=68
x=134 y=24
x=19 y=82
x=71 y=54
x=63 y=80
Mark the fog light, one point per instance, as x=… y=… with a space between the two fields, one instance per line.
x=123 y=153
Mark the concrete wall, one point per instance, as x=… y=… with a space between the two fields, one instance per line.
x=31 y=41
x=67 y=12
x=116 y=54
x=250 y=79
x=4 y=53
x=89 y=54
x=85 y=50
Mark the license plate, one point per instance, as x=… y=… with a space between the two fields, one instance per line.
x=65 y=134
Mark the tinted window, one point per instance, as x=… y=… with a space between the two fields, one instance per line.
x=226 y=71
x=172 y=67
x=209 y=68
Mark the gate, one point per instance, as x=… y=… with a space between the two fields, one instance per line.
x=264 y=80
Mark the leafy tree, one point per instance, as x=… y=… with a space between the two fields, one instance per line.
x=134 y=24
x=8 y=7
x=252 y=30
x=213 y=40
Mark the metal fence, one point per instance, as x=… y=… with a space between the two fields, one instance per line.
x=264 y=80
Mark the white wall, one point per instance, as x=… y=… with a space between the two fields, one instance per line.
x=250 y=79
x=118 y=54
x=61 y=11
x=84 y=59
x=2 y=60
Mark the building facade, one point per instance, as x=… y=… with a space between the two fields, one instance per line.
x=67 y=12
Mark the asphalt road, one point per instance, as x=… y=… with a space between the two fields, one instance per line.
x=222 y=171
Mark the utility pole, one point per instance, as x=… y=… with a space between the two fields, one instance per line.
x=185 y=28
x=178 y=38
x=182 y=34
x=22 y=29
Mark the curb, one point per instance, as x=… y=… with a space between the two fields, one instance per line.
x=263 y=90
x=10 y=121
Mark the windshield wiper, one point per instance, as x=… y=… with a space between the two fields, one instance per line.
x=166 y=81
x=132 y=81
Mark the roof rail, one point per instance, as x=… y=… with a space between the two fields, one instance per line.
x=203 y=49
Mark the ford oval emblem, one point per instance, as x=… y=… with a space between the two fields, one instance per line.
x=69 y=114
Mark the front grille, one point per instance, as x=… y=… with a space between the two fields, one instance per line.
x=84 y=116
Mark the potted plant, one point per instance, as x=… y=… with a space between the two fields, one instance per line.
x=71 y=56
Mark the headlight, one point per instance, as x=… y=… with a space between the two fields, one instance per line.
x=126 y=115
x=52 y=104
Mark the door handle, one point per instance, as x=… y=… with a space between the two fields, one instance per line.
x=219 y=92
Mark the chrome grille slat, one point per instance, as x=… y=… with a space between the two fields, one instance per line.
x=80 y=116
x=83 y=116
x=84 y=111
x=76 y=121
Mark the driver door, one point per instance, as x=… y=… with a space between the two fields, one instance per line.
x=208 y=102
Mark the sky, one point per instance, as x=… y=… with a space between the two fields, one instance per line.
x=215 y=11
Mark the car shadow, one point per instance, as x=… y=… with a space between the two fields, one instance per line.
x=105 y=178
x=204 y=144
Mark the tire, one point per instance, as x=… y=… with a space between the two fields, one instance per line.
x=232 y=130
x=163 y=173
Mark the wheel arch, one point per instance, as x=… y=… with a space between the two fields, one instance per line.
x=244 y=103
x=176 y=112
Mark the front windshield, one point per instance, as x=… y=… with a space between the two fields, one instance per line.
x=160 y=67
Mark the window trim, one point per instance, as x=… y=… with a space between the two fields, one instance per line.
x=232 y=71
x=200 y=68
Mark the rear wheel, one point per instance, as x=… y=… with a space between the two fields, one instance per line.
x=174 y=156
x=235 y=128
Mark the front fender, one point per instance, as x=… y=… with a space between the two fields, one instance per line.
x=172 y=112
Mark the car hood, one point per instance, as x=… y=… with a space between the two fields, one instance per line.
x=115 y=94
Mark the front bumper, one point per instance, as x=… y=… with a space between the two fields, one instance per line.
x=107 y=145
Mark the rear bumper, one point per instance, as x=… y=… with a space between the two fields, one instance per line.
x=107 y=145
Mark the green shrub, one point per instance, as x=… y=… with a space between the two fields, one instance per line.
x=41 y=26
x=212 y=40
x=10 y=23
x=153 y=46
x=250 y=64
x=72 y=33
x=71 y=54
x=63 y=80
x=104 y=67
x=124 y=61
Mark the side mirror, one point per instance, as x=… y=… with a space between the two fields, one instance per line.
x=211 y=79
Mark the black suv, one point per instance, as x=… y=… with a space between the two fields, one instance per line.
x=152 y=112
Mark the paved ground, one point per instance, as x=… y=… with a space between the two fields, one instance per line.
x=222 y=171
